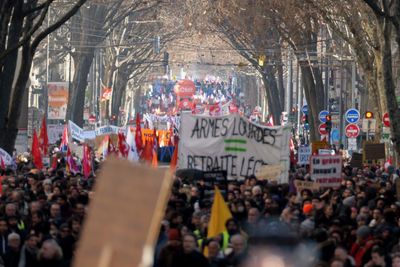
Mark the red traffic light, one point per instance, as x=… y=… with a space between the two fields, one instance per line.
x=369 y=115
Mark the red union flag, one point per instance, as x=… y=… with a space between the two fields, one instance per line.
x=106 y=95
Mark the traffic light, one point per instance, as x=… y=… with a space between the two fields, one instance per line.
x=369 y=115
x=166 y=59
x=305 y=119
x=328 y=122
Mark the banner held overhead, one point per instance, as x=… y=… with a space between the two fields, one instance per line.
x=233 y=144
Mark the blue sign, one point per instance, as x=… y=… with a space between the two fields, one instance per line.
x=335 y=136
x=352 y=115
x=304 y=109
x=322 y=116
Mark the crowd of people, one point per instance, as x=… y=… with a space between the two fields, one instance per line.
x=357 y=224
x=41 y=215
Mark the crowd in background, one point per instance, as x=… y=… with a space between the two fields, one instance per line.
x=357 y=224
x=41 y=215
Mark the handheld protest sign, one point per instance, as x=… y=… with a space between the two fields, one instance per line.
x=269 y=172
x=326 y=170
x=124 y=218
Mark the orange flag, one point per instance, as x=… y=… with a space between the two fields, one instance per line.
x=174 y=159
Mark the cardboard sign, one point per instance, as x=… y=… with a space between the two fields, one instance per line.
x=231 y=143
x=269 y=172
x=315 y=146
x=374 y=151
x=356 y=160
x=122 y=226
x=215 y=178
x=304 y=154
x=301 y=185
x=326 y=170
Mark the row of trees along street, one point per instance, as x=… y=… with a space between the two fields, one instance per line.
x=291 y=44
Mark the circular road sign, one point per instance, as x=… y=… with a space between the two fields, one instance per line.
x=386 y=120
x=322 y=129
x=304 y=109
x=352 y=115
x=322 y=116
x=352 y=130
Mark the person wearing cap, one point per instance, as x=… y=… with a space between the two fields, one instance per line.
x=308 y=225
x=361 y=249
x=171 y=250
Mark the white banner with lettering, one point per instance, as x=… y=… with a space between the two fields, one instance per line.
x=326 y=170
x=232 y=143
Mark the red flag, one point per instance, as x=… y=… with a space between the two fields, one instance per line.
x=43 y=138
x=86 y=162
x=54 y=163
x=36 y=155
x=174 y=159
x=147 y=153
x=2 y=165
x=123 y=145
x=138 y=135
x=154 y=161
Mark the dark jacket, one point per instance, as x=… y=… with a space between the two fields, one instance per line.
x=193 y=259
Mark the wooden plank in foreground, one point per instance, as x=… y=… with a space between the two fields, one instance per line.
x=124 y=218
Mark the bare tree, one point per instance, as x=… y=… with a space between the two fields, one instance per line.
x=20 y=35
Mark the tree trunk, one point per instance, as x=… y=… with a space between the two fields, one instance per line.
x=119 y=88
x=11 y=129
x=313 y=102
x=393 y=108
x=8 y=72
x=76 y=97
x=271 y=90
x=281 y=87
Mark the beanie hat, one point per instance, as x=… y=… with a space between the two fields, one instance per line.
x=363 y=232
x=173 y=234
x=307 y=209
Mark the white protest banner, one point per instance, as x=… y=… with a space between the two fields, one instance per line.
x=89 y=135
x=233 y=144
x=107 y=130
x=326 y=152
x=76 y=132
x=54 y=132
x=8 y=160
x=304 y=154
x=326 y=170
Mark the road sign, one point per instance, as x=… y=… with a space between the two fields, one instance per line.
x=386 y=120
x=352 y=144
x=322 y=116
x=352 y=115
x=322 y=129
x=335 y=136
x=92 y=119
x=352 y=130
x=368 y=125
x=304 y=109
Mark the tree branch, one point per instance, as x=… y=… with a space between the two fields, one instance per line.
x=57 y=24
